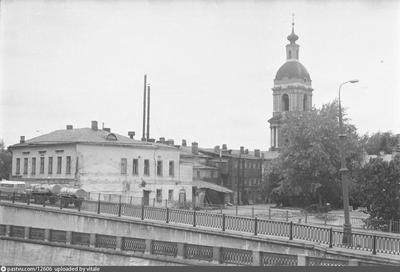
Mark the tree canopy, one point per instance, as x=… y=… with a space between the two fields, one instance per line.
x=307 y=169
x=380 y=141
x=5 y=161
x=377 y=187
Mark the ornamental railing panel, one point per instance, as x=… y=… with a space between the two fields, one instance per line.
x=236 y=256
x=133 y=244
x=164 y=248
x=36 y=234
x=276 y=259
x=197 y=252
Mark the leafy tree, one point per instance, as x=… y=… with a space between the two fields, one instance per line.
x=378 y=188
x=380 y=141
x=5 y=162
x=307 y=169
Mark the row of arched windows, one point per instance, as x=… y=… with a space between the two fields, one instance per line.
x=285 y=102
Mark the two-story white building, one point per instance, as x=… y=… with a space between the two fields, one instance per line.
x=100 y=161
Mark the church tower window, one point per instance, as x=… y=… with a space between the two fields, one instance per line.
x=305 y=103
x=285 y=102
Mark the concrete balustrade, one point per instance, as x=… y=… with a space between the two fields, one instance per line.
x=95 y=244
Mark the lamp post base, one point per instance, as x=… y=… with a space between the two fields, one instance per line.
x=347 y=239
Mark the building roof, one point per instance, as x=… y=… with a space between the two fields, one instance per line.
x=201 y=184
x=270 y=155
x=230 y=153
x=88 y=136
x=293 y=69
x=187 y=151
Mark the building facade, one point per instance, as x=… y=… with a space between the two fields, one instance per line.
x=292 y=91
x=99 y=161
x=241 y=171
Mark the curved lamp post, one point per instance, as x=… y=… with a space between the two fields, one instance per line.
x=344 y=174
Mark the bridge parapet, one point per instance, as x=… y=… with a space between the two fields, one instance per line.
x=73 y=221
x=174 y=252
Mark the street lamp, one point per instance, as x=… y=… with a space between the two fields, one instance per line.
x=344 y=174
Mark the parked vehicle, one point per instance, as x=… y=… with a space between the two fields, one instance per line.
x=42 y=193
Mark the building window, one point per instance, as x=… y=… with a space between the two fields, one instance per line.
x=25 y=166
x=305 y=102
x=159 y=168
x=198 y=174
x=50 y=170
x=41 y=171
x=59 y=165
x=171 y=168
x=18 y=166
x=123 y=166
x=68 y=169
x=146 y=167
x=170 y=195
x=285 y=102
x=135 y=169
x=33 y=170
x=159 y=195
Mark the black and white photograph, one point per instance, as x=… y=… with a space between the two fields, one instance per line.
x=199 y=133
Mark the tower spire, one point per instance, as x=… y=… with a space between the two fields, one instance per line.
x=292 y=37
x=292 y=49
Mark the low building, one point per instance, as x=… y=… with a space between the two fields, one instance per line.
x=100 y=161
x=241 y=171
x=206 y=182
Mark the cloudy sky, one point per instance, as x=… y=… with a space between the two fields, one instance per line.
x=211 y=65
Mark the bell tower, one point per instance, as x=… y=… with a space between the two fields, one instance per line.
x=292 y=91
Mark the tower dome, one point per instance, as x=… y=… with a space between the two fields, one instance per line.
x=293 y=69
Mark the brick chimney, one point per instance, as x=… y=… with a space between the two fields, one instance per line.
x=162 y=140
x=69 y=127
x=224 y=147
x=152 y=140
x=107 y=129
x=242 y=150
x=94 y=125
x=217 y=149
x=131 y=134
x=184 y=143
x=257 y=153
x=246 y=151
x=22 y=140
x=195 y=148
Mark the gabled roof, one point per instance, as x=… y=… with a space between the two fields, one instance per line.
x=88 y=136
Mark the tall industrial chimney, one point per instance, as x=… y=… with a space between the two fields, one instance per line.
x=148 y=113
x=144 y=108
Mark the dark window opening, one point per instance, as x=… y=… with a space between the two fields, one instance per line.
x=18 y=166
x=305 y=102
x=50 y=169
x=59 y=165
x=171 y=168
x=25 y=166
x=146 y=167
x=41 y=165
x=33 y=170
x=285 y=102
x=135 y=166
x=159 y=168
x=68 y=169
